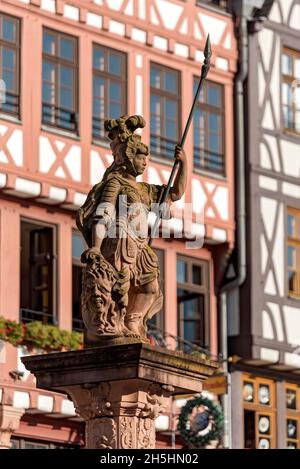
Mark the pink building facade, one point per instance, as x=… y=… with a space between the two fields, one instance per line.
x=66 y=66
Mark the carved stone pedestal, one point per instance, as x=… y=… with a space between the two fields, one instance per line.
x=119 y=390
x=9 y=423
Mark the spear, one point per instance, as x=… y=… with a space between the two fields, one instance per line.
x=204 y=72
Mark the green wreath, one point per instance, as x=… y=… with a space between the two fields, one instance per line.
x=191 y=438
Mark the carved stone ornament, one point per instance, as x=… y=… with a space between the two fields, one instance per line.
x=120 y=286
x=120 y=414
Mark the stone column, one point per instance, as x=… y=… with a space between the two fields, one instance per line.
x=120 y=414
x=120 y=389
x=9 y=423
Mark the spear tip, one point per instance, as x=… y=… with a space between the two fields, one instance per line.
x=207 y=49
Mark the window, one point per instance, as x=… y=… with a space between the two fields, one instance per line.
x=218 y=3
x=60 y=102
x=9 y=63
x=78 y=247
x=291 y=89
x=292 y=394
x=24 y=443
x=293 y=252
x=208 y=128
x=165 y=110
x=192 y=301
x=259 y=413
x=37 y=273
x=157 y=321
x=109 y=87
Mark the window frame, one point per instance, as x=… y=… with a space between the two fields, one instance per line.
x=202 y=290
x=17 y=47
x=76 y=262
x=289 y=79
x=261 y=410
x=293 y=242
x=293 y=414
x=208 y=108
x=55 y=273
x=164 y=94
x=123 y=80
x=58 y=61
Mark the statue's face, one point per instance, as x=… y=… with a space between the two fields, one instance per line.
x=140 y=162
x=97 y=301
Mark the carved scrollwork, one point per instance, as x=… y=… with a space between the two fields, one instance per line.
x=127 y=432
x=146 y=433
x=102 y=433
x=156 y=400
x=94 y=402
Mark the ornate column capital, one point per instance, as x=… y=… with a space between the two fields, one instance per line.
x=120 y=414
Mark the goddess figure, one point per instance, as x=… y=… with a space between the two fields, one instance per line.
x=120 y=286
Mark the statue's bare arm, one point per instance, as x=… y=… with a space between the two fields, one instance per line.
x=179 y=185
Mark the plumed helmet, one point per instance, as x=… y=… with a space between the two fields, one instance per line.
x=124 y=142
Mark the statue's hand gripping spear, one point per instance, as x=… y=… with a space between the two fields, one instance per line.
x=204 y=72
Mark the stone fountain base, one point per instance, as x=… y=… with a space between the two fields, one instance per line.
x=120 y=389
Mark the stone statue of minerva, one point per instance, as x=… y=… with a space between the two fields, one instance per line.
x=120 y=286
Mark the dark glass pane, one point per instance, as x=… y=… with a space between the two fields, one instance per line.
x=213 y=143
x=171 y=82
x=49 y=43
x=14 y=444
x=193 y=306
x=214 y=95
x=202 y=91
x=66 y=98
x=171 y=109
x=155 y=78
x=249 y=429
x=9 y=79
x=155 y=105
x=8 y=58
x=48 y=93
x=199 y=128
x=48 y=71
x=181 y=271
x=115 y=91
x=213 y=122
x=191 y=330
x=48 y=114
x=291 y=399
x=28 y=445
x=98 y=108
x=67 y=49
x=291 y=429
x=98 y=59
x=196 y=274
x=292 y=280
x=115 y=64
x=9 y=30
x=114 y=110
x=170 y=129
x=78 y=245
x=66 y=76
x=291 y=225
x=99 y=87
x=291 y=256
x=287 y=65
x=76 y=298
